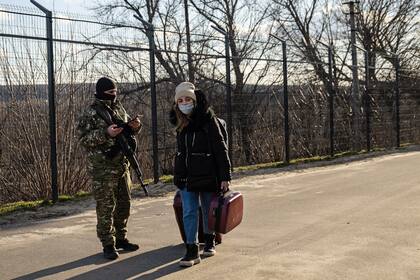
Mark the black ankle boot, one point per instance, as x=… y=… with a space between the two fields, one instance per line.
x=126 y=245
x=110 y=253
x=191 y=257
x=209 y=245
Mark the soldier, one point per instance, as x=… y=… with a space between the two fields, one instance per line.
x=108 y=167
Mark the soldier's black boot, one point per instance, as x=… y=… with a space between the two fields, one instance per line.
x=209 y=245
x=191 y=257
x=110 y=253
x=126 y=245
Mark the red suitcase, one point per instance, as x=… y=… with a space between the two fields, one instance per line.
x=226 y=211
x=178 y=216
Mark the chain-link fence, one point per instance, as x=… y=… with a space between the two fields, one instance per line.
x=278 y=107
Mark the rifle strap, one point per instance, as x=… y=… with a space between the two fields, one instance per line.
x=114 y=150
x=104 y=114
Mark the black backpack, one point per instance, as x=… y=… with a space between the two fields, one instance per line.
x=221 y=123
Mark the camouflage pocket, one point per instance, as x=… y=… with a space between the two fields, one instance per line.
x=125 y=186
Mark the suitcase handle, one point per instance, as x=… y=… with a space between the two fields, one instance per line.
x=218 y=211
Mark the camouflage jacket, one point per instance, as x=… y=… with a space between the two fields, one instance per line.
x=93 y=135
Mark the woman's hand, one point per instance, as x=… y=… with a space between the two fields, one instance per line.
x=225 y=186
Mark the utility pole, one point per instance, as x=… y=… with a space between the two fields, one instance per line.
x=355 y=105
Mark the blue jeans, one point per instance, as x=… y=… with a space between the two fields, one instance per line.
x=190 y=205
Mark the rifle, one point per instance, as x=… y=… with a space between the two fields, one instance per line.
x=125 y=148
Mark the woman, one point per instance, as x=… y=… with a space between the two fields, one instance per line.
x=202 y=165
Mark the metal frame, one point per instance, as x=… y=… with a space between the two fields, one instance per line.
x=151 y=36
x=228 y=90
x=51 y=100
x=285 y=101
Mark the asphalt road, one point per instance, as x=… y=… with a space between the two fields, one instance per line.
x=359 y=220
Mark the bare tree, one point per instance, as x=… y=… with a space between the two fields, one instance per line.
x=308 y=30
x=386 y=28
x=245 y=22
x=169 y=30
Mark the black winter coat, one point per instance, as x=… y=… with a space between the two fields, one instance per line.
x=202 y=160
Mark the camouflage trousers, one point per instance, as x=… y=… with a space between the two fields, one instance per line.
x=112 y=194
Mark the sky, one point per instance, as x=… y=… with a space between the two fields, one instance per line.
x=73 y=6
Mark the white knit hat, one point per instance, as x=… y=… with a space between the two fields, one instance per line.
x=185 y=89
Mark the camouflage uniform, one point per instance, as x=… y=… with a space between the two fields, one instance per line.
x=111 y=176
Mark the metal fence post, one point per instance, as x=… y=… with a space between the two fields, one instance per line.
x=331 y=99
x=285 y=105
x=228 y=90
x=229 y=96
x=285 y=100
x=367 y=102
x=397 y=99
x=355 y=76
x=51 y=101
x=151 y=36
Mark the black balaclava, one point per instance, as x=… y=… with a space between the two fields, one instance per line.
x=102 y=85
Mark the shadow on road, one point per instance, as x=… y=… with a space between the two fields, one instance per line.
x=161 y=259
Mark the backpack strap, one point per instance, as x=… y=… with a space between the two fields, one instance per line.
x=109 y=117
x=207 y=131
x=223 y=128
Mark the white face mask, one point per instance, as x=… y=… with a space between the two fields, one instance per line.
x=186 y=109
